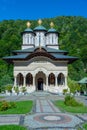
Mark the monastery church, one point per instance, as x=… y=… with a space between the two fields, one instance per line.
x=40 y=65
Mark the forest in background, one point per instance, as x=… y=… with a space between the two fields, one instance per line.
x=72 y=38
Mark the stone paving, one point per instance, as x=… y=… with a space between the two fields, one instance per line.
x=51 y=120
x=48 y=117
x=45 y=106
x=45 y=115
x=10 y=119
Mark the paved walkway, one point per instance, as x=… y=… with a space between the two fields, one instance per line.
x=45 y=116
x=48 y=117
x=45 y=106
x=11 y=119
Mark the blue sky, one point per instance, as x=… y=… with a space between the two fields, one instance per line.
x=35 y=9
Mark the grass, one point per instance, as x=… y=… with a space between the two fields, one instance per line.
x=85 y=126
x=77 y=109
x=12 y=127
x=1 y=96
x=22 y=107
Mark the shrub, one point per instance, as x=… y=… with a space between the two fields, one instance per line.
x=16 y=89
x=4 y=105
x=9 y=88
x=23 y=89
x=71 y=101
x=65 y=91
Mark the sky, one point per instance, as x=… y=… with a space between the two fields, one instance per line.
x=38 y=9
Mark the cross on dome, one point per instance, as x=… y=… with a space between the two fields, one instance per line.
x=51 y=24
x=28 y=24
x=39 y=21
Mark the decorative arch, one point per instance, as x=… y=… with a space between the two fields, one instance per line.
x=51 y=79
x=20 y=79
x=61 y=79
x=41 y=69
x=29 y=79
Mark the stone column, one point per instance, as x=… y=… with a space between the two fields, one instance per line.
x=56 y=84
x=24 y=81
x=65 y=81
x=33 y=80
x=46 y=82
x=15 y=81
x=34 y=83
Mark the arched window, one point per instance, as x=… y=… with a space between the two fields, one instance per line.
x=61 y=79
x=51 y=79
x=39 y=39
x=20 y=79
x=29 y=79
x=52 y=39
x=28 y=39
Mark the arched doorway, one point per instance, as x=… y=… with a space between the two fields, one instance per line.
x=40 y=84
x=40 y=81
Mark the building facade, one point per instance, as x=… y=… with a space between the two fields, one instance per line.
x=40 y=64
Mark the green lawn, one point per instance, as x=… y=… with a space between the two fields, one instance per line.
x=1 y=96
x=12 y=127
x=85 y=126
x=22 y=107
x=63 y=107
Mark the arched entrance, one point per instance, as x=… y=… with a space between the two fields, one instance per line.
x=40 y=84
x=40 y=81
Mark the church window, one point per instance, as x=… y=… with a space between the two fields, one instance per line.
x=52 y=39
x=39 y=39
x=27 y=38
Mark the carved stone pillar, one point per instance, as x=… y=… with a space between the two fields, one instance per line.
x=46 y=82
x=15 y=81
x=56 y=84
x=24 y=81
x=65 y=80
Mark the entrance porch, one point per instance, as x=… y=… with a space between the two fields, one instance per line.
x=42 y=81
